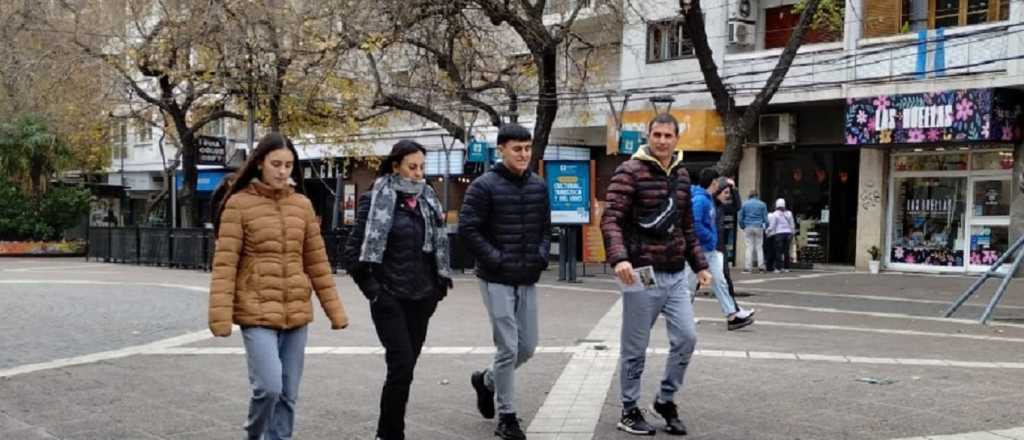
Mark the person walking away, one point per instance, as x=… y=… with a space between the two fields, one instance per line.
x=269 y=256
x=505 y=222
x=704 y=224
x=398 y=255
x=648 y=221
x=783 y=226
x=726 y=204
x=753 y=220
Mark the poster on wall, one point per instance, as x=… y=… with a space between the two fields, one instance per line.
x=569 y=191
x=349 y=205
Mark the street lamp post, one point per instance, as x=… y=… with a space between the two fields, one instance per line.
x=468 y=116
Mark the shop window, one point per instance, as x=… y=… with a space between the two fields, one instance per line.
x=932 y=162
x=992 y=160
x=992 y=198
x=780 y=22
x=667 y=40
x=928 y=221
x=988 y=243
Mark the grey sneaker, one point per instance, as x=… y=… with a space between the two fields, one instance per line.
x=633 y=422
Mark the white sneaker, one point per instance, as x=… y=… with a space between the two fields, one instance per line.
x=745 y=313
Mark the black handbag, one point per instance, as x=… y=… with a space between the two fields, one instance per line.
x=663 y=222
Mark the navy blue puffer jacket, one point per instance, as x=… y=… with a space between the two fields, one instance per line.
x=505 y=222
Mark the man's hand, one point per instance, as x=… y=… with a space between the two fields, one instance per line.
x=704 y=278
x=624 y=270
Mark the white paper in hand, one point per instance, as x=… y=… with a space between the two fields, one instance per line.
x=643 y=279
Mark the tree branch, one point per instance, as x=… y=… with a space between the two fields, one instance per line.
x=781 y=68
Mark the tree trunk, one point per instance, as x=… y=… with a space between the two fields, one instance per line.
x=547 y=108
x=735 y=138
x=188 y=201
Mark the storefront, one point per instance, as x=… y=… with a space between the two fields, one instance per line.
x=950 y=174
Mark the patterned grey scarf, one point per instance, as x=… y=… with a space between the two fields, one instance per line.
x=382 y=208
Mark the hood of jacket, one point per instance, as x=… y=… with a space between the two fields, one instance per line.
x=644 y=153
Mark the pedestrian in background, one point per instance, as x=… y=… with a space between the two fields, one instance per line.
x=269 y=256
x=505 y=222
x=705 y=219
x=781 y=226
x=648 y=221
x=753 y=220
x=728 y=204
x=398 y=255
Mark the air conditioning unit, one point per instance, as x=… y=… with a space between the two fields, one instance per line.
x=779 y=128
x=742 y=10
x=742 y=34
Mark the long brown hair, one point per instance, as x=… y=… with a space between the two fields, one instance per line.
x=238 y=181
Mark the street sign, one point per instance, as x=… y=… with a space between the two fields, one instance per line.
x=212 y=150
x=569 y=191
x=629 y=141
x=479 y=151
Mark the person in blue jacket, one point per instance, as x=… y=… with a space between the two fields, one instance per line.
x=753 y=220
x=704 y=225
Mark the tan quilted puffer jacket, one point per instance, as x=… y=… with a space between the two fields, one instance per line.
x=269 y=256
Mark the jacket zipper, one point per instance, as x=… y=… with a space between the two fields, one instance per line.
x=282 y=262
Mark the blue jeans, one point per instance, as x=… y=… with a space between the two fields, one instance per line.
x=640 y=311
x=275 y=359
x=719 y=285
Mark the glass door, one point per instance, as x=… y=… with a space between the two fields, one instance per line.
x=988 y=220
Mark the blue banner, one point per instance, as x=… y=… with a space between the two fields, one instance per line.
x=629 y=141
x=479 y=151
x=568 y=191
x=208 y=180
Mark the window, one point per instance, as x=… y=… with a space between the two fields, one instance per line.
x=951 y=13
x=667 y=40
x=143 y=131
x=119 y=138
x=928 y=223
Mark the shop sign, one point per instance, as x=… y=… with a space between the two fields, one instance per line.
x=205 y=182
x=699 y=130
x=569 y=191
x=948 y=116
x=212 y=150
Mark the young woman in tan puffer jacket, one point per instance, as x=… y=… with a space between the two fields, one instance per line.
x=269 y=257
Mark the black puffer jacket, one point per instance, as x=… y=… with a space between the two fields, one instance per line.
x=505 y=222
x=405 y=272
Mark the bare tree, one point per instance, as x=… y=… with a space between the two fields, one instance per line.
x=167 y=55
x=739 y=122
x=483 y=54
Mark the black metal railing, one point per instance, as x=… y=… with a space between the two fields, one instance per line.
x=190 y=248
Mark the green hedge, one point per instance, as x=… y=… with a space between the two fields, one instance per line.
x=23 y=218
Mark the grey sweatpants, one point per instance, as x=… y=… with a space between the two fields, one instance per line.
x=639 y=313
x=513 y=313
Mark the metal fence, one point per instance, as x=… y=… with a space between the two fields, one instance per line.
x=192 y=248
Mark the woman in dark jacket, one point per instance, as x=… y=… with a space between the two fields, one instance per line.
x=398 y=255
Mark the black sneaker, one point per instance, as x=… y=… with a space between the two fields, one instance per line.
x=633 y=422
x=508 y=428
x=667 y=411
x=738 y=323
x=484 y=396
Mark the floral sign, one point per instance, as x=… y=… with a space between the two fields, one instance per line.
x=949 y=116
